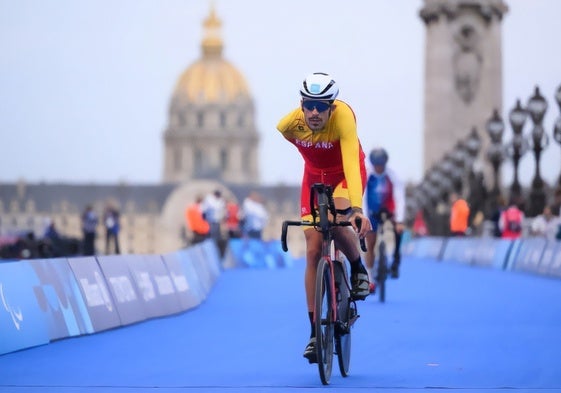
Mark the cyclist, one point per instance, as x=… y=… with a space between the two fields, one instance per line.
x=324 y=131
x=384 y=192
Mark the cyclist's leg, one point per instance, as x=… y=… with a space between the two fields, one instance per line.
x=346 y=241
x=313 y=254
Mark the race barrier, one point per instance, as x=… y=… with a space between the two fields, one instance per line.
x=45 y=300
x=255 y=253
x=535 y=255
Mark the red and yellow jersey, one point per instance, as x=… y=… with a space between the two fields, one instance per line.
x=331 y=156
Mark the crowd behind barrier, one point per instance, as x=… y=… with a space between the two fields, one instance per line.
x=531 y=254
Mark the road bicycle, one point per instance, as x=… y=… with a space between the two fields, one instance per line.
x=335 y=311
x=384 y=236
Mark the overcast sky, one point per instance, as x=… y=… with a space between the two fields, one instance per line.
x=85 y=85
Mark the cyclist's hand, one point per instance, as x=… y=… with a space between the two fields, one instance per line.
x=399 y=227
x=365 y=223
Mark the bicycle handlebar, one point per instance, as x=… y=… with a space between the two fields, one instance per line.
x=326 y=205
x=286 y=224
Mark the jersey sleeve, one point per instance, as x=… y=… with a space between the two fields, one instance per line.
x=286 y=124
x=350 y=152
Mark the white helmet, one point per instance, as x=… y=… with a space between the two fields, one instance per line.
x=319 y=86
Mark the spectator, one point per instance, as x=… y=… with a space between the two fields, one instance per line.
x=254 y=215
x=52 y=241
x=112 y=226
x=546 y=224
x=419 y=225
x=27 y=246
x=195 y=221
x=459 y=215
x=496 y=215
x=510 y=221
x=89 y=226
x=214 y=210
x=232 y=219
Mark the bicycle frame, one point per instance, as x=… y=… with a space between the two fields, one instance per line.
x=325 y=206
x=324 y=219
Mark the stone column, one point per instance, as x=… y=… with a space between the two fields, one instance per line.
x=463 y=72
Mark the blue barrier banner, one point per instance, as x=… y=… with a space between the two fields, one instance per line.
x=155 y=285
x=185 y=279
x=425 y=247
x=22 y=322
x=197 y=259
x=257 y=254
x=59 y=296
x=550 y=263
x=123 y=288
x=491 y=252
x=95 y=292
x=187 y=267
x=207 y=264
x=212 y=256
x=529 y=254
x=459 y=249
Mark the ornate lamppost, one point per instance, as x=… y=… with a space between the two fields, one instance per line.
x=459 y=159
x=536 y=107
x=518 y=146
x=557 y=127
x=495 y=128
x=435 y=189
x=473 y=144
x=446 y=168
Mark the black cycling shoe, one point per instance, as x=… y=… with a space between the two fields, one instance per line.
x=310 y=351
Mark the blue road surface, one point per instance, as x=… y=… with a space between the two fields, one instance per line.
x=444 y=327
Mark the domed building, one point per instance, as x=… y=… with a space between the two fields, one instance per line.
x=210 y=143
x=211 y=132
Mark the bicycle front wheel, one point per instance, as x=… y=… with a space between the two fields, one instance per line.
x=324 y=323
x=345 y=311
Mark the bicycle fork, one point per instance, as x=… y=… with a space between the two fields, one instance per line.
x=343 y=326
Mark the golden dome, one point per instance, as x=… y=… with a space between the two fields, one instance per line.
x=211 y=78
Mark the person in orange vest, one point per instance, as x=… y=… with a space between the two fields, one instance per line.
x=195 y=221
x=459 y=215
x=232 y=219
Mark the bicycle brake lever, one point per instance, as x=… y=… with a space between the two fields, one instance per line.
x=358 y=222
x=283 y=236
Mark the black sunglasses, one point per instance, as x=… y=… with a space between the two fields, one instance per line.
x=320 y=106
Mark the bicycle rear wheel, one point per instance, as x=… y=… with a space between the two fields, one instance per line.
x=344 y=310
x=323 y=316
x=382 y=271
